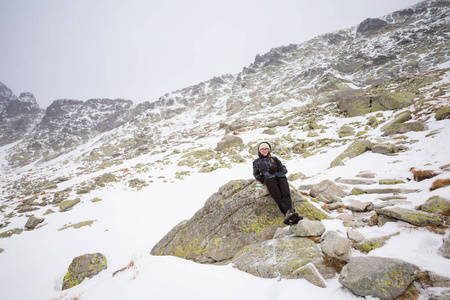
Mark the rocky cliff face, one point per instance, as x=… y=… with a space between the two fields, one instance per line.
x=18 y=115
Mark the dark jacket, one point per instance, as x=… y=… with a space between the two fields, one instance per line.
x=261 y=167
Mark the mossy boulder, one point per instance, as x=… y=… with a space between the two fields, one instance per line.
x=68 y=204
x=87 y=265
x=228 y=142
x=404 y=127
x=384 y=148
x=10 y=232
x=356 y=148
x=236 y=216
x=379 y=277
x=415 y=217
x=359 y=105
x=390 y=181
x=78 y=225
x=399 y=118
x=296 y=176
x=345 y=131
x=368 y=245
x=33 y=222
x=436 y=205
x=105 y=178
x=442 y=113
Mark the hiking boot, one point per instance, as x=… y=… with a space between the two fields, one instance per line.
x=291 y=217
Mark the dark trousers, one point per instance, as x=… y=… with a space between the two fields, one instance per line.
x=279 y=189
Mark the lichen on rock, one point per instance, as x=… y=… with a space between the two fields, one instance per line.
x=87 y=265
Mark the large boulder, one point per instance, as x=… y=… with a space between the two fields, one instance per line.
x=280 y=257
x=383 y=278
x=404 y=127
x=402 y=117
x=228 y=142
x=87 y=265
x=270 y=259
x=436 y=205
x=356 y=148
x=236 y=216
x=327 y=191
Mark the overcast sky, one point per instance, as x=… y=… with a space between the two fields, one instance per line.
x=142 y=49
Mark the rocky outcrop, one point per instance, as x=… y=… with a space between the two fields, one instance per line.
x=18 y=115
x=33 y=222
x=87 y=265
x=356 y=148
x=415 y=217
x=436 y=205
x=236 y=216
x=379 y=277
x=328 y=190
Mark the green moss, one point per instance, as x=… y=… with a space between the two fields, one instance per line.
x=68 y=204
x=78 y=225
x=10 y=232
x=357 y=191
x=390 y=181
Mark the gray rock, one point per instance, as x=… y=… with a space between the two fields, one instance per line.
x=414 y=217
x=306 y=228
x=384 y=278
x=391 y=191
x=336 y=246
x=444 y=250
x=439 y=280
x=404 y=127
x=384 y=148
x=398 y=119
x=309 y=272
x=327 y=187
x=282 y=232
x=87 y=265
x=366 y=175
x=354 y=235
x=236 y=216
x=357 y=206
x=345 y=131
x=370 y=25
x=228 y=142
x=274 y=258
x=33 y=222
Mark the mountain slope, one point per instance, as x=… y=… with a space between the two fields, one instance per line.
x=406 y=42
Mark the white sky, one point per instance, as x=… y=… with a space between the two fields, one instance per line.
x=142 y=49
